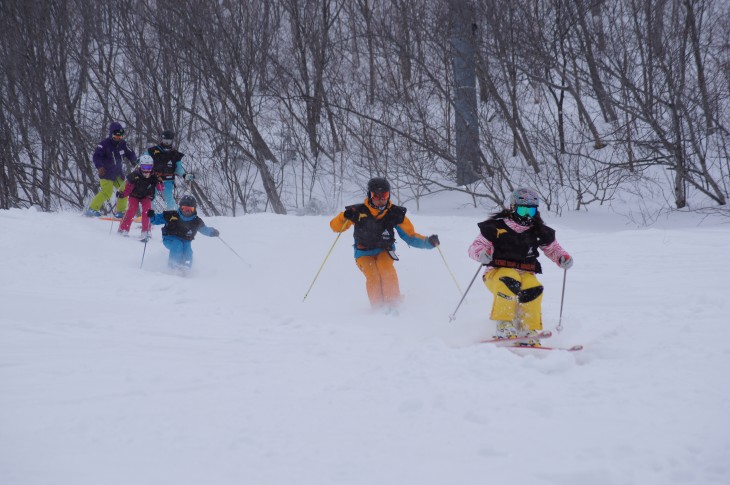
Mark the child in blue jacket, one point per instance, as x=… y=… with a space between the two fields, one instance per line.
x=168 y=163
x=179 y=230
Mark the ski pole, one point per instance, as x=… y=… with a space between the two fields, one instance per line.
x=234 y=252
x=449 y=270
x=452 y=317
x=325 y=260
x=113 y=214
x=559 y=328
x=143 y=252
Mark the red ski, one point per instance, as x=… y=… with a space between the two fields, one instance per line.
x=574 y=348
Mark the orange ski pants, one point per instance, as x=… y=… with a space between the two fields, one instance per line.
x=381 y=279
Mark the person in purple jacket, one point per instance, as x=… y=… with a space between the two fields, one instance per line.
x=108 y=162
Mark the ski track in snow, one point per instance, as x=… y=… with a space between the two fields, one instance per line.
x=114 y=374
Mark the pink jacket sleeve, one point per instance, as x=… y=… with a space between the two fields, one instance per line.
x=480 y=244
x=128 y=188
x=554 y=252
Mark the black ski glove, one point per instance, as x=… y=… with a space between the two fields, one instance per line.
x=351 y=214
x=120 y=195
x=150 y=213
x=434 y=240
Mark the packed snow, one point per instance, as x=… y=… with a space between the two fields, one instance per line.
x=115 y=374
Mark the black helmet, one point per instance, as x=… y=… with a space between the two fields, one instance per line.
x=378 y=184
x=188 y=200
x=166 y=138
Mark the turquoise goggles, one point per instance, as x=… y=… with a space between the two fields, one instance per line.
x=526 y=211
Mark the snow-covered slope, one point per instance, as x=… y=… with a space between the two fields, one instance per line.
x=111 y=374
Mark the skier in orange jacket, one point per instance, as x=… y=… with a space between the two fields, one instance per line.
x=376 y=222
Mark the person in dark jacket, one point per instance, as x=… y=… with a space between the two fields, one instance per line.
x=376 y=221
x=168 y=163
x=507 y=245
x=108 y=162
x=140 y=189
x=179 y=230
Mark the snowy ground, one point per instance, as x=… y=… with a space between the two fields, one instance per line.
x=111 y=374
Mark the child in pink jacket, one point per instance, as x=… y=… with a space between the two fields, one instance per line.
x=508 y=246
x=140 y=189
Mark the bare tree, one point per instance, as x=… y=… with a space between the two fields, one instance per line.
x=280 y=104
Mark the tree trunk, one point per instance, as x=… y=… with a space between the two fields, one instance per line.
x=466 y=123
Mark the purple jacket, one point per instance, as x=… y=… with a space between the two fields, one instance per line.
x=109 y=153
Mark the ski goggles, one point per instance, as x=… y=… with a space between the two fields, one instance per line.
x=526 y=210
x=146 y=168
x=118 y=134
x=187 y=208
x=380 y=195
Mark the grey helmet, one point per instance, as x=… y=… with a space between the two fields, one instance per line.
x=523 y=204
x=524 y=196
